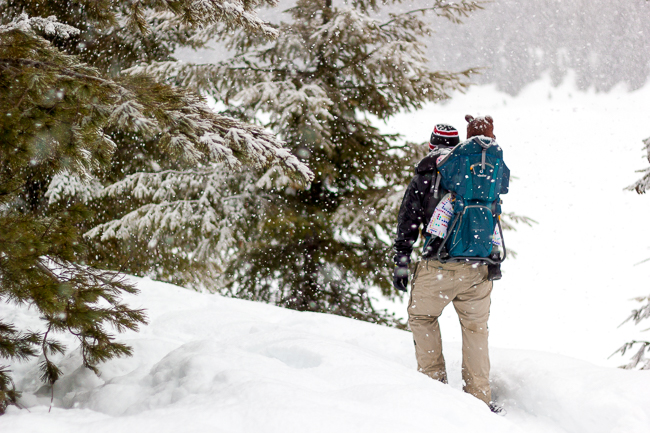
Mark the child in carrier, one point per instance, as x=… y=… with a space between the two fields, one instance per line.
x=444 y=211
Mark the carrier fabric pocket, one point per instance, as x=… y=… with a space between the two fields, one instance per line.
x=472 y=233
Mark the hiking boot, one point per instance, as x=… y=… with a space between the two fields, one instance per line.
x=496 y=408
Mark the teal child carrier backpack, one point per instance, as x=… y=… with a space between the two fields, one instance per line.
x=475 y=173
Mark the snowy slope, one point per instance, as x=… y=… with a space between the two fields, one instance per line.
x=206 y=363
x=572 y=153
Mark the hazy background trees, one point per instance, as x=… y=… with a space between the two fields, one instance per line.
x=605 y=42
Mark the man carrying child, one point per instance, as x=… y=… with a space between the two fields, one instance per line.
x=435 y=284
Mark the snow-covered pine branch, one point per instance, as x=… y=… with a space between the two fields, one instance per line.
x=639 y=357
x=76 y=95
x=221 y=80
x=637 y=316
x=642 y=313
x=198 y=17
x=196 y=212
x=189 y=127
x=453 y=11
x=202 y=13
x=184 y=123
x=285 y=101
x=65 y=185
x=49 y=26
x=643 y=184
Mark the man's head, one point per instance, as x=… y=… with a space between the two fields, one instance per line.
x=443 y=135
x=480 y=126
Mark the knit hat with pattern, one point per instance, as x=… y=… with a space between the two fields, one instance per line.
x=445 y=135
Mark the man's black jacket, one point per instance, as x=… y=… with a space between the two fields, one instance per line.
x=417 y=208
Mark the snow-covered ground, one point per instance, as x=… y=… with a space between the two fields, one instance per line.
x=211 y=364
x=572 y=154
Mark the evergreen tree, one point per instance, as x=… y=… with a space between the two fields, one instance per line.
x=330 y=69
x=154 y=30
x=53 y=110
x=642 y=313
x=63 y=120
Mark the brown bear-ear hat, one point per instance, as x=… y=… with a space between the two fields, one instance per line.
x=480 y=126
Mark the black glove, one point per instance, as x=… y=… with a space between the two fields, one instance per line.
x=494 y=272
x=401 y=278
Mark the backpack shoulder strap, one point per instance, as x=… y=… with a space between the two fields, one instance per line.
x=436 y=189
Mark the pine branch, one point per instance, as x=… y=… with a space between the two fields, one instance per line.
x=48 y=26
x=451 y=10
x=640 y=314
x=8 y=394
x=638 y=357
x=510 y=218
x=643 y=184
x=4 y=62
x=17 y=345
x=198 y=13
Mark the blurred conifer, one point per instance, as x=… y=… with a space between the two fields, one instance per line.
x=70 y=120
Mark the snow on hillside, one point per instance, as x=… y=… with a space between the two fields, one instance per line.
x=209 y=363
x=572 y=154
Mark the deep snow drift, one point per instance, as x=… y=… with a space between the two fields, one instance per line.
x=209 y=363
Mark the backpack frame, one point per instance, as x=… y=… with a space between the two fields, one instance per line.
x=475 y=173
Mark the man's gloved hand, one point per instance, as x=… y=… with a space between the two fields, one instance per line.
x=401 y=278
x=494 y=272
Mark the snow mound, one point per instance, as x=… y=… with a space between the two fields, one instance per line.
x=209 y=363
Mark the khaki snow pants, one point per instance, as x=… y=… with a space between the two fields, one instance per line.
x=434 y=286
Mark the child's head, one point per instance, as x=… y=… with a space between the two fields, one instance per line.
x=443 y=135
x=480 y=126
